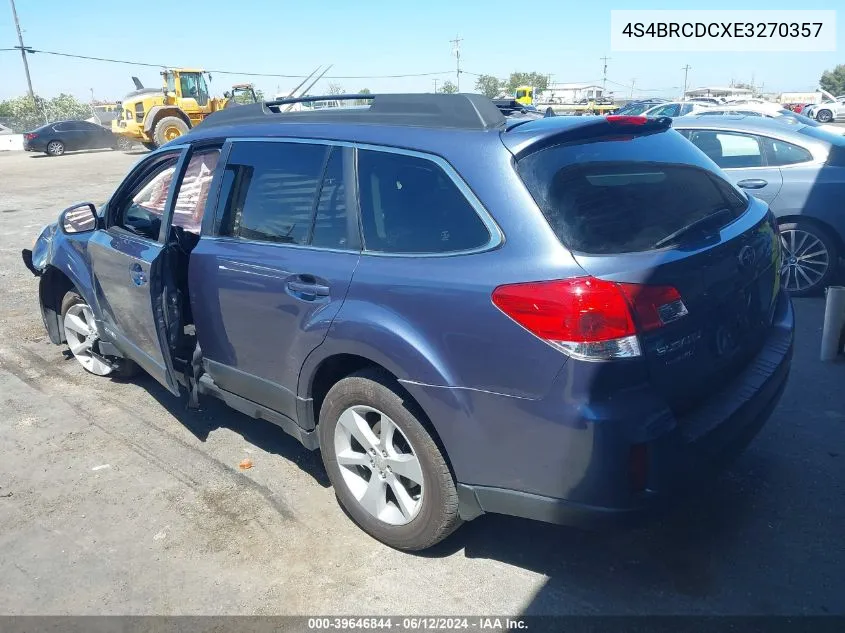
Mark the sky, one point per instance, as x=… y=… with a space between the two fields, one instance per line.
x=370 y=37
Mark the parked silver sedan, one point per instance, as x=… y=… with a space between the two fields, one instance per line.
x=799 y=170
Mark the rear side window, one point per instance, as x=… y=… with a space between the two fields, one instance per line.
x=273 y=189
x=783 y=153
x=410 y=205
x=621 y=196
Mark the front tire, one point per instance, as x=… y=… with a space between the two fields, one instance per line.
x=810 y=257
x=55 y=148
x=169 y=128
x=82 y=337
x=386 y=469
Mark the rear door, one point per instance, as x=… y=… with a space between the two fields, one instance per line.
x=616 y=204
x=128 y=261
x=743 y=158
x=266 y=288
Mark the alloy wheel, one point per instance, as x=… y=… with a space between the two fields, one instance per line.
x=378 y=465
x=805 y=260
x=81 y=334
x=55 y=148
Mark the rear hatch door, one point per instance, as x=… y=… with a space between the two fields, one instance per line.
x=650 y=208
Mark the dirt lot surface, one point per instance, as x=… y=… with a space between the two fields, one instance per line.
x=116 y=500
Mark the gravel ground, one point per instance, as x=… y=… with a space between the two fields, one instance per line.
x=116 y=500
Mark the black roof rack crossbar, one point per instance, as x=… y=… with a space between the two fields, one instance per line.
x=313 y=99
x=458 y=111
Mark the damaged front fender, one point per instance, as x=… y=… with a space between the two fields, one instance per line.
x=36 y=260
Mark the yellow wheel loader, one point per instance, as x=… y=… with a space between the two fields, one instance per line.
x=155 y=116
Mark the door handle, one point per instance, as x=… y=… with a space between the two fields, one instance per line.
x=305 y=289
x=137 y=274
x=752 y=183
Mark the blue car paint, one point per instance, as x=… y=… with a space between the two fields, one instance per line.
x=523 y=425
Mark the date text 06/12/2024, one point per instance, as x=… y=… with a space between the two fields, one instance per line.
x=416 y=624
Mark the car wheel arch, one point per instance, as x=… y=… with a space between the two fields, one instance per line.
x=336 y=367
x=52 y=287
x=821 y=224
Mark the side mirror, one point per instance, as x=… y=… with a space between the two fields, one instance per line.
x=227 y=94
x=80 y=218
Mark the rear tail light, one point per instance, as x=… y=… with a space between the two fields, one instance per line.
x=30 y=135
x=590 y=318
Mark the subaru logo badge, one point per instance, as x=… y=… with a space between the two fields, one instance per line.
x=747 y=257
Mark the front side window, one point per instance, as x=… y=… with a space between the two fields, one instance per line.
x=331 y=229
x=270 y=191
x=729 y=150
x=142 y=209
x=410 y=205
x=193 y=190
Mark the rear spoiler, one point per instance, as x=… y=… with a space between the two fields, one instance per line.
x=582 y=129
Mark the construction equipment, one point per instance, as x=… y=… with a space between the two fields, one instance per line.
x=155 y=116
x=524 y=95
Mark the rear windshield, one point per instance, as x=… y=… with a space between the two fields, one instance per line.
x=622 y=195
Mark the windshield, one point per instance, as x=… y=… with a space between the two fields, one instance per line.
x=636 y=108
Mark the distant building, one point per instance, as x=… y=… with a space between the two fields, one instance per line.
x=718 y=91
x=570 y=93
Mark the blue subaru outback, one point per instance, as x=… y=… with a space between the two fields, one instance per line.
x=566 y=318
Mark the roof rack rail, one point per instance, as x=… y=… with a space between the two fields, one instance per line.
x=458 y=111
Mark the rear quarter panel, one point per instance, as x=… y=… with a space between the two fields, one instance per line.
x=814 y=191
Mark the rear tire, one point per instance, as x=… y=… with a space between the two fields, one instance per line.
x=123 y=144
x=814 y=262
x=824 y=116
x=169 y=128
x=81 y=335
x=55 y=148
x=428 y=512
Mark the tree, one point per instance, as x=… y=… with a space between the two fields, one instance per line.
x=335 y=89
x=539 y=81
x=448 y=87
x=488 y=85
x=24 y=113
x=834 y=80
x=363 y=91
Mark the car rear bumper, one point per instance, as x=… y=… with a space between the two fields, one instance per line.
x=594 y=455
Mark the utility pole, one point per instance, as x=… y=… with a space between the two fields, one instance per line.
x=457 y=42
x=435 y=86
x=23 y=50
x=604 y=75
x=631 y=96
x=686 y=70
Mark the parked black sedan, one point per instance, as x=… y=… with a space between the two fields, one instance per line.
x=54 y=139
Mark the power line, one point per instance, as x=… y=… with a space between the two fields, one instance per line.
x=227 y=72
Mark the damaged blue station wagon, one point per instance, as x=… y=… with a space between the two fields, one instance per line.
x=562 y=318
